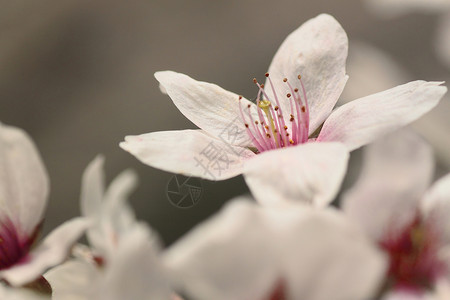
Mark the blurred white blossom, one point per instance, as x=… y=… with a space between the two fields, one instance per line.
x=248 y=251
x=123 y=261
x=394 y=8
x=409 y=221
x=24 y=187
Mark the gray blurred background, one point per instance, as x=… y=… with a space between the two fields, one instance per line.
x=78 y=76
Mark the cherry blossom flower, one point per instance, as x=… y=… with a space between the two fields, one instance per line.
x=24 y=187
x=289 y=144
x=123 y=261
x=249 y=251
x=408 y=221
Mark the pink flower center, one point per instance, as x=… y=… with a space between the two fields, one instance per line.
x=13 y=248
x=270 y=129
x=413 y=253
x=278 y=293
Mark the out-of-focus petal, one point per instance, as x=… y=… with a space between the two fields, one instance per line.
x=107 y=209
x=396 y=171
x=310 y=173
x=350 y=267
x=408 y=295
x=371 y=71
x=224 y=257
x=442 y=41
x=363 y=120
x=10 y=293
x=435 y=127
x=436 y=205
x=72 y=280
x=245 y=250
x=52 y=251
x=92 y=188
x=188 y=152
x=207 y=105
x=394 y=8
x=116 y=208
x=317 y=50
x=24 y=183
x=135 y=272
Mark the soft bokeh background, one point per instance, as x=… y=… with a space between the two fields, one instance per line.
x=78 y=76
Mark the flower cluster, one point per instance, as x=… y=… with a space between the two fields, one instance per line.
x=388 y=239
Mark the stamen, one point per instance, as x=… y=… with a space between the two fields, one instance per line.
x=270 y=131
x=250 y=134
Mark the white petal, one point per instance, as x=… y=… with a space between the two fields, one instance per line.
x=116 y=208
x=188 y=152
x=394 y=8
x=408 y=295
x=436 y=205
x=220 y=260
x=10 y=293
x=371 y=71
x=396 y=171
x=309 y=173
x=317 y=50
x=72 y=280
x=208 y=106
x=135 y=272
x=243 y=252
x=24 y=183
x=442 y=43
x=442 y=289
x=108 y=210
x=52 y=251
x=92 y=193
x=93 y=188
x=117 y=217
x=120 y=188
x=362 y=121
x=329 y=258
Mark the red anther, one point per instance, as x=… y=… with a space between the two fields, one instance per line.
x=240 y=97
x=299 y=76
x=262 y=85
x=267 y=74
x=285 y=127
x=268 y=135
x=246 y=125
x=248 y=105
x=303 y=109
x=284 y=79
x=296 y=90
x=276 y=108
x=288 y=95
x=256 y=122
x=255 y=81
